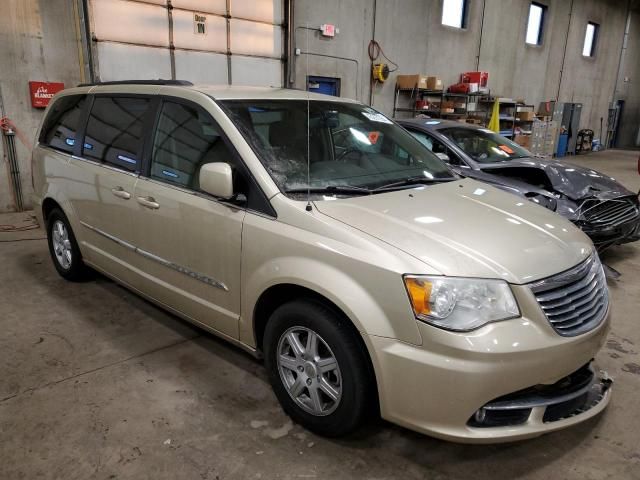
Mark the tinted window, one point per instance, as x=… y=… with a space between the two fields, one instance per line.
x=60 y=126
x=114 y=131
x=186 y=138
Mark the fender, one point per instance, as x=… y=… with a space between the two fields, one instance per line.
x=335 y=285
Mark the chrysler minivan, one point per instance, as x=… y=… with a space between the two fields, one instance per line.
x=314 y=232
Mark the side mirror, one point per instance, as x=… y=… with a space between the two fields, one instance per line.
x=443 y=156
x=216 y=179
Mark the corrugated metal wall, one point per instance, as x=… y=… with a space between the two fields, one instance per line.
x=242 y=43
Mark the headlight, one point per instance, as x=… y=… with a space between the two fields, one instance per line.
x=460 y=304
x=542 y=200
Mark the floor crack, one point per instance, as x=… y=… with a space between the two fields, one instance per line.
x=97 y=369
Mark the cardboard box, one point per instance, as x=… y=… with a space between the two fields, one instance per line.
x=526 y=116
x=434 y=83
x=523 y=140
x=448 y=104
x=411 y=81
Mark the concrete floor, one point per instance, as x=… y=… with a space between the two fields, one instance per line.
x=97 y=383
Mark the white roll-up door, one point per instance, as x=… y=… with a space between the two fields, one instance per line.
x=204 y=41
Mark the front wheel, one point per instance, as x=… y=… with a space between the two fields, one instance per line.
x=318 y=368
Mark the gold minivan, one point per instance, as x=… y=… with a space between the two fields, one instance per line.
x=318 y=234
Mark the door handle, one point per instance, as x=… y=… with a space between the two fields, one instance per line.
x=148 y=202
x=121 y=193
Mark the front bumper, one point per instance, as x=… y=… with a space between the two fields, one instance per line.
x=626 y=233
x=438 y=387
x=612 y=235
x=574 y=394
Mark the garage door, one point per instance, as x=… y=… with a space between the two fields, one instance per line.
x=208 y=41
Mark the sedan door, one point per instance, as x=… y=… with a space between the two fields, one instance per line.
x=189 y=242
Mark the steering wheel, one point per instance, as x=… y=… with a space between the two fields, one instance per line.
x=349 y=151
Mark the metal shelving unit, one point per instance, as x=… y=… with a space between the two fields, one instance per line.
x=415 y=94
x=507 y=116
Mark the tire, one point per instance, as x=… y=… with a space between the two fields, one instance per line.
x=302 y=382
x=63 y=248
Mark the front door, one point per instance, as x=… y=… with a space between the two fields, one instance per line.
x=188 y=241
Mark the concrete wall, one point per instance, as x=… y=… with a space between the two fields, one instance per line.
x=411 y=34
x=38 y=39
x=37 y=42
x=628 y=88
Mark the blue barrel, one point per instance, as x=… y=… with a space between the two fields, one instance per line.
x=563 y=141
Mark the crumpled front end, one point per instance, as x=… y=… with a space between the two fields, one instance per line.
x=597 y=204
x=609 y=222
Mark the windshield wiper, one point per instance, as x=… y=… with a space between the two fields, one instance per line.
x=350 y=189
x=414 y=181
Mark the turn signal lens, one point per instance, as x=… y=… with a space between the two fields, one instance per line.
x=420 y=294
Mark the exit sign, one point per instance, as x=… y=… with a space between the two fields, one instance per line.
x=328 y=30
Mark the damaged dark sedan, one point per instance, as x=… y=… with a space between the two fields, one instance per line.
x=599 y=205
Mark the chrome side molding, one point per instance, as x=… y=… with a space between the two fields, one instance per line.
x=167 y=263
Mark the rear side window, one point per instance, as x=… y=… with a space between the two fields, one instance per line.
x=62 y=122
x=186 y=138
x=114 y=132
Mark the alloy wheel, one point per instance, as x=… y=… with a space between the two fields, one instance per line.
x=309 y=371
x=61 y=244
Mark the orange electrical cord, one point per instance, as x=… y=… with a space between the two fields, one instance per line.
x=7 y=125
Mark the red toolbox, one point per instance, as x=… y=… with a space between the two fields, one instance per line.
x=481 y=78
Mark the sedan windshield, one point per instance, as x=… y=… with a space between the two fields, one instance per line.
x=485 y=146
x=353 y=149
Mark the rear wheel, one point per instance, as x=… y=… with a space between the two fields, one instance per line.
x=318 y=368
x=63 y=247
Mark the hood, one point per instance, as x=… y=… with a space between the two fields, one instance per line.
x=575 y=182
x=466 y=228
x=502 y=182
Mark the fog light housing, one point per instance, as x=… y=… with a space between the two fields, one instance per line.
x=480 y=415
x=488 y=418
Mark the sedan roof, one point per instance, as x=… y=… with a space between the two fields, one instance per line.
x=435 y=123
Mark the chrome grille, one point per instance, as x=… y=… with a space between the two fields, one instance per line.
x=574 y=301
x=609 y=213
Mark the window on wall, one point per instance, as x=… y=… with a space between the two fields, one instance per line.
x=454 y=13
x=590 y=39
x=535 y=23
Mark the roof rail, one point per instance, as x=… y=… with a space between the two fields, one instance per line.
x=183 y=83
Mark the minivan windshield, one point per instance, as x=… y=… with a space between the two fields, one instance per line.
x=354 y=149
x=485 y=146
